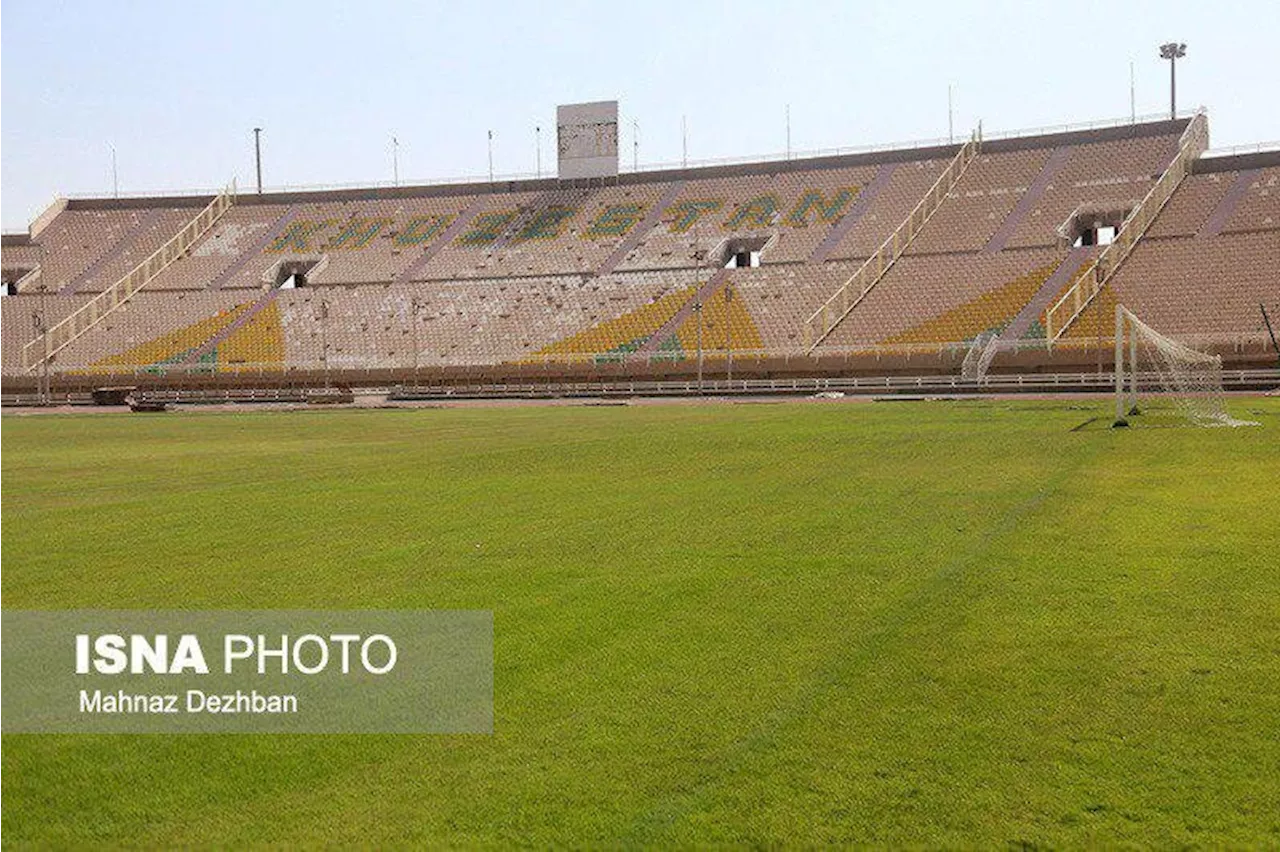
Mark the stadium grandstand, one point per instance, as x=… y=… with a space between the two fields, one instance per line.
x=1007 y=252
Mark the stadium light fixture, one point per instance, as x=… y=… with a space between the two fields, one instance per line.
x=1173 y=51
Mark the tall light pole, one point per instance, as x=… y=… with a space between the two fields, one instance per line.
x=728 y=331
x=635 y=146
x=324 y=340
x=115 y=174
x=257 y=155
x=951 y=118
x=490 y=156
x=697 y=309
x=537 y=147
x=1173 y=51
x=1133 y=96
x=42 y=332
x=415 y=305
x=395 y=161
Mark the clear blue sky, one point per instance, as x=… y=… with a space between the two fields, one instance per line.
x=176 y=87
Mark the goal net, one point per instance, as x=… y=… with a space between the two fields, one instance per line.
x=1157 y=374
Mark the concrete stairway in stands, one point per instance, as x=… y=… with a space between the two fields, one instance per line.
x=1227 y=206
x=643 y=227
x=115 y=251
x=1028 y=200
x=1049 y=290
x=451 y=233
x=701 y=296
x=232 y=327
x=860 y=206
x=252 y=251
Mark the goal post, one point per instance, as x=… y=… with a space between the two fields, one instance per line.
x=1163 y=370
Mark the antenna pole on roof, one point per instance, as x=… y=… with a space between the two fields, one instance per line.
x=951 y=123
x=1133 y=101
x=788 y=131
x=257 y=154
x=684 y=142
x=490 y=156
x=537 y=147
x=395 y=161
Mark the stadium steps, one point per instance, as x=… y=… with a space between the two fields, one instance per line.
x=621 y=335
x=1227 y=206
x=836 y=309
x=528 y=214
x=1193 y=142
x=127 y=239
x=989 y=311
x=1029 y=199
x=642 y=228
x=258 y=342
x=1039 y=329
x=725 y=321
x=1096 y=320
x=847 y=222
x=668 y=329
x=176 y=346
x=254 y=251
x=1049 y=291
x=446 y=238
x=210 y=346
x=88 y=316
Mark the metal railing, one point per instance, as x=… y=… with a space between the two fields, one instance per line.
x=1194 y=141
x=63 y=333
x=1236 y=150
x=824 y=320
x=664 y=165
x=1095 y=382
x=28 y=281
x=1238 y=343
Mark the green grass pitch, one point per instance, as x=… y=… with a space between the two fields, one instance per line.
x=942 y=624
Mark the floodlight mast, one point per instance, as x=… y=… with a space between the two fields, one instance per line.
x=1173 y=51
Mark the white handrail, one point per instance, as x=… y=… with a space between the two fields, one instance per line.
x=824 y=320
x=1194 y=141
x=61 y=334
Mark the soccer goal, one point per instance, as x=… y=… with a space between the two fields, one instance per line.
x=1157 y=373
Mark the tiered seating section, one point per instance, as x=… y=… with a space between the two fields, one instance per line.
x=552 y=271
x=949 y=297
x=1186 y=280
